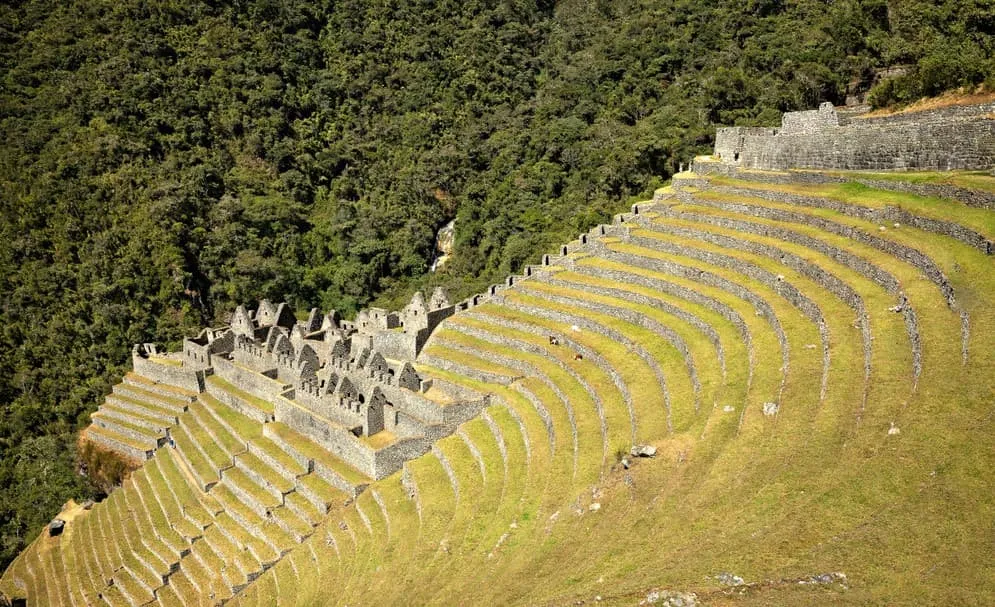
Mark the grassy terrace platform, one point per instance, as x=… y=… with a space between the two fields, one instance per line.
x=252 y=400
x=818 y=390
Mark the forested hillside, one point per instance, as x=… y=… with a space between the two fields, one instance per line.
x=164 y=161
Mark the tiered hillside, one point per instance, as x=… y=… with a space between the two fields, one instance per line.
x=810 y=356
x=198 y=521
x=815 y=375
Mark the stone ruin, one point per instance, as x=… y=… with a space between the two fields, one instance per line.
x=955 y=137
x=330 y=379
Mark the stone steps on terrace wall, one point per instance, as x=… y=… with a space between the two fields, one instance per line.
x=542 y=412
x=131 y=589
x=217 y=454
x=881 y=215
x=30 y=577
x=193 y=459
x=181 y=592
x=198 y=576
x=968 y=196
x=504 y=486
x=292 y=523
x=692 y=297
x=673 y=246
x=221 y=578
x=276 y=458
x=111 y=536
x=167 y=596
x=108 y=539
x=244 y=567
x=56 y=594
x=136 y=558
x=263 y=552
x=263 y=475
x=259 y=499
x=250 y=432
x=246 y=517
x=138 y=435
x=68 y=568
x=472 y=447
x=83 y=550
x=136 y=567
x=686 y=272
x=113 y=597
x=674 y=289
x=150 y=385
x=565 y=340
x=761 y=307
x=384 y=515
x=537 y=374
x=343 y=543
x=498 y=435
x=361 y=537
x=224 y=440
x=132 y=417
x=135 y=575
x=431 y=360
x=161 y=483
x=903 y=253
x=99 y=566
x=480 y=521
x=305 y=508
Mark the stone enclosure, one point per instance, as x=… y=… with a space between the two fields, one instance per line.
x=958 y=137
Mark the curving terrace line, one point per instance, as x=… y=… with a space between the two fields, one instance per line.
x=759 y=208
x=617 y=309
x=480 y=331
x=775 y=282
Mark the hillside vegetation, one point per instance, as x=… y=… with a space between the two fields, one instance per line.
x=161 y=162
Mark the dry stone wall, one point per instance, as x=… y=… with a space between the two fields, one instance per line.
x=945 y=139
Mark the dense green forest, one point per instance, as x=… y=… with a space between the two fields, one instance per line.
x=163 y=161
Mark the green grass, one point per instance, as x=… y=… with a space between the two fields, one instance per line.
x=146 y=405
x=254 y=401
x=125 y=425
x=268 y=474
x=980 y=220
x=135 y=378
x=148 y=395
x=974 y=180
x=617 y=415
x=230 y=444
x=321 y=456
x=169 y=362
x=121 y=438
